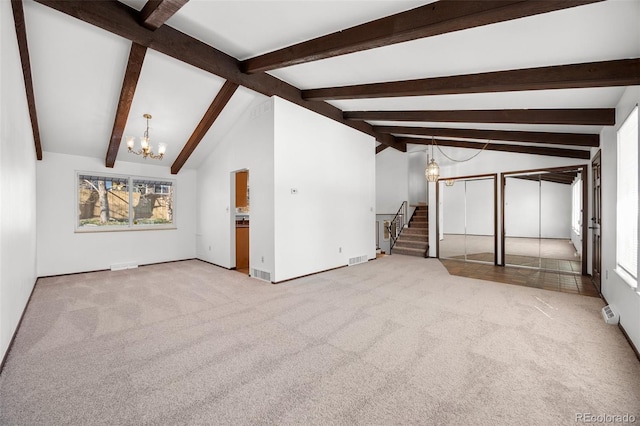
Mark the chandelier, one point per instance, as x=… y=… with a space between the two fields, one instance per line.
x=432 y=173
x=433 y=170
x=145 y=144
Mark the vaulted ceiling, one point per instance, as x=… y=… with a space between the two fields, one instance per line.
x=535 y=76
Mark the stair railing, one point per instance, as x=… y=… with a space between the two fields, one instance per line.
x=397 y=223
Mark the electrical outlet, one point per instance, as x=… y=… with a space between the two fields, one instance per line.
x=262 y=259
x=209 y=248
x=339 y=249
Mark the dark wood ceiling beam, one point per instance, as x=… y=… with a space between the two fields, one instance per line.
x=23 y=47
x=122 y=20
x=156 y=12
x=381 y=148
x=537 y=150
x=437 y=18
x=129 y=84
x=622 y=72
x=216 y=107
x=580 y=117
x=577 y=139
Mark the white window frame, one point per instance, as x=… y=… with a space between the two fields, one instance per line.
x=131 y=225
x=626 y=223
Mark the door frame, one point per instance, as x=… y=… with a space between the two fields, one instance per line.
x=233 y=262
x=596 y=158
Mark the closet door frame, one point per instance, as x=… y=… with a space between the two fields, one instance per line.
x=583 y=168
x=494 y=176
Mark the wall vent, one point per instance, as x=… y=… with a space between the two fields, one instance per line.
x=123 y=265
x=358 y=259
x=610 y=317
x=261 y=275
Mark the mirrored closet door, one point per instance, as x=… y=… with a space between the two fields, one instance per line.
x=467 y=218
x=543 y=219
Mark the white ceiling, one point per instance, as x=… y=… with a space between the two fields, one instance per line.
x=78 y=68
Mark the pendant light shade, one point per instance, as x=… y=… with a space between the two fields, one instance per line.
x=433 y=171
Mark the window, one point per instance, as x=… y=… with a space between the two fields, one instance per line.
x=576 y=206
x=627 y=200
x=123 y=203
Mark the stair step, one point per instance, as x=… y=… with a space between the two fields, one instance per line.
x=422 y=232
x=411 y=244
x=414 y=237
x=424 y=225
x=408 y=251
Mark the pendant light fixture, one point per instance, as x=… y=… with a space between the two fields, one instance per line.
x=145 y=144
x=432 y=173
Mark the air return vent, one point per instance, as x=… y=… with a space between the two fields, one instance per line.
x=261 y=275
x=357 y=260
x=610 y=317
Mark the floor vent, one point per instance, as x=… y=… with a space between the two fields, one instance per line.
x=357 y=260
x=261 y=275
x=123 y=265
x=610 y=317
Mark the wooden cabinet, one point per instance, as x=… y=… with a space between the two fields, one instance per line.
x=242 y=246
x=241 y=189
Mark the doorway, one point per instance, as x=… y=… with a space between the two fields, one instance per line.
x=242 y=220
x=544 y=219
x=596 y=200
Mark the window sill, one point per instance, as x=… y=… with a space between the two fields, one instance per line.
x=628 y=279
x=99 y=229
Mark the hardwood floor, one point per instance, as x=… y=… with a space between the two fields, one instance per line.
x=549 y=280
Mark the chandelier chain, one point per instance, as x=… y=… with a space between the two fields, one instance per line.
x=459 y=161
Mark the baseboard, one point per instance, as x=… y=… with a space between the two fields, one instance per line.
x=15 y=333
x=108 y=269
x=314 y=273
x=215 y=264
x=626 y=336
x=624 y=332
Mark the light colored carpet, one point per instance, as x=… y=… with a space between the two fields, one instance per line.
x=394 y=341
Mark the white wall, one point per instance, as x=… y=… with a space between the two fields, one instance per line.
x=417 y=181
x=332 y=216
x=248 y=145
x=17 y=186
x=392 y=180
x=61 y=250
x=620 y=295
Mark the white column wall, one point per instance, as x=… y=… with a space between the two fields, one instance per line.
x=324 y=192
x=17 y=186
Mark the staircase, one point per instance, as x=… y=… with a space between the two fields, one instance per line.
x=414 y=240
